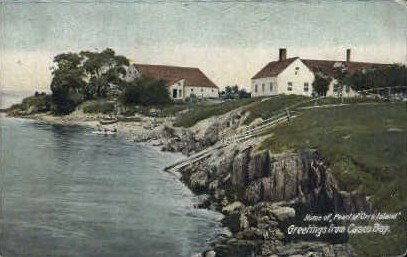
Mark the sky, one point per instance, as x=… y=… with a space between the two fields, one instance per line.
x=228 y=40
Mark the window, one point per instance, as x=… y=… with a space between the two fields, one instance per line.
x=201 y=89
x=271 y=86
x=347 y=88
x=180 y=93
x=262 y=87
x=212 y=90
x=255 y=88
x=306 y=86
x=174 y=93
x=192 y=90
x=296 y=70
x=289 y=86
x=336 y=88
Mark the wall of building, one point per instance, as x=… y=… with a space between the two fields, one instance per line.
x=201 y=92
x=132 y=73
x=297 y=73
x=181 y=90
x=264 y=86
x=334 y=90
x=176 y=90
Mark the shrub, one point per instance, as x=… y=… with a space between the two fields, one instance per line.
x=39 y=102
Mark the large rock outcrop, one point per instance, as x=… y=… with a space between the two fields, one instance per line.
x=259 y=192
x=203 y=134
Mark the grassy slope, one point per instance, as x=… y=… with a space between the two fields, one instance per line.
x=276 y=104
x=201 y=112
x=256 y=107
x=364 y=154
x=266 y=109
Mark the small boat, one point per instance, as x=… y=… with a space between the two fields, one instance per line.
x=107 y=122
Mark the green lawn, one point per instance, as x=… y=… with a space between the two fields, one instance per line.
x=276 y=104
x=365 y=145
x=268 y=108
x=97 y=106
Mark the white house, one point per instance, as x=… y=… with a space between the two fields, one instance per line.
x=182 y=82
x=295 y=75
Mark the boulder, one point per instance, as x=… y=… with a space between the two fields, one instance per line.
x=210 y=253
x=232 y=207
x=283 y=213
x=244 y=222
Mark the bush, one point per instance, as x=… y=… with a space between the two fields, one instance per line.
x=98 y=106
x=41 y=102
x=30 y=105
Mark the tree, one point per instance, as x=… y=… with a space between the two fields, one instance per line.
x=321 y=83
x=243 y=94
x=79 y=77
x=233 y=92
x=387 y=76
x=145 y=91
x=68 y=83
x=103 y=68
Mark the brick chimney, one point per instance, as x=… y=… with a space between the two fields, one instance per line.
x=283 y=54
x=348 y=55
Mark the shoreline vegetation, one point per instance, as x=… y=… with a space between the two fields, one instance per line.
x=334 y=155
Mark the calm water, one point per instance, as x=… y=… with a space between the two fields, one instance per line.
x=67 y=192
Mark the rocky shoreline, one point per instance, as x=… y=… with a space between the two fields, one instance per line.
x=258 y=192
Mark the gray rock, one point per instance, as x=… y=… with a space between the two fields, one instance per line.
x=283 y=213
x=232 y=207
x=210 y=253
x=244 y=222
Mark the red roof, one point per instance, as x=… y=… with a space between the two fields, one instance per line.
x=327 y=67
x=330 y=67
x=272 y=69
x=193 y=77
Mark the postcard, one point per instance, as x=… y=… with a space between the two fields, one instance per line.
x=203 y=128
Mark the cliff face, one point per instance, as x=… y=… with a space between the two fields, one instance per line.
x=300 y=177
x=258 y=176
x=259 y=192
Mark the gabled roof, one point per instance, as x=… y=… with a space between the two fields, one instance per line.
x=329 y=68
x=193 y=77
x=272 y=69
